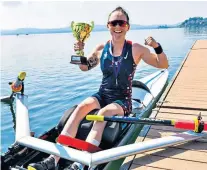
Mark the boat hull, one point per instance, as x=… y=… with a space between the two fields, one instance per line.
x=145 y=94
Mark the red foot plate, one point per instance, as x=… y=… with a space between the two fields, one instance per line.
x=78 y=144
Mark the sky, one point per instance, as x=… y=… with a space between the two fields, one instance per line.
x=58 y=14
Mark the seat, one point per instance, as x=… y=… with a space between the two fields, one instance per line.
x=110 y=134
x=139 y=84
x=111 y=131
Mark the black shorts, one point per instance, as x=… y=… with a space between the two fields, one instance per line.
x=126 y=104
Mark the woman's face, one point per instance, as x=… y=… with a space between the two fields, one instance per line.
x=118 y=25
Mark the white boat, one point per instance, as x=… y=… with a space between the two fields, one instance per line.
x=115 y=141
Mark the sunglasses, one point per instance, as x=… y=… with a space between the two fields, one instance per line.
x=121 y=23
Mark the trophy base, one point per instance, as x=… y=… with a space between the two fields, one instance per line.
x=75 y=59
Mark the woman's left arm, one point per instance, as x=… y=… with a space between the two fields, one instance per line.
x=158 y=60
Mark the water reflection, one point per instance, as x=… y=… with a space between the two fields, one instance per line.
x=13 y=116
x=11 y=108
x=195 y=31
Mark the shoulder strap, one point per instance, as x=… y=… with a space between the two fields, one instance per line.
x=129 y=42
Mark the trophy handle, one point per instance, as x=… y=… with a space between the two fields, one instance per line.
x=77 y=36
x=90 y=28
x=92 y=25
x=71 y=25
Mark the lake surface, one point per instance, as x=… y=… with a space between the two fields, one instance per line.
x=54 y=85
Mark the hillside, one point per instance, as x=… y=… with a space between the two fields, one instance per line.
x=194 y=22
x=188 y=23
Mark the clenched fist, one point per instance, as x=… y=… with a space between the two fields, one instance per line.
x=150 y=41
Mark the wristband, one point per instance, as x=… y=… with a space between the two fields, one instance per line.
x=92 y=62
x=159 y=49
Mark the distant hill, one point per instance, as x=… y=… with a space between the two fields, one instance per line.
x=26 y=31
x=195 y=22
x=34 y=31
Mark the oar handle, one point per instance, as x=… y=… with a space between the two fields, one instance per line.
x=95 y=118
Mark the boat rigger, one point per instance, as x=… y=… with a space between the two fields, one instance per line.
x=91 y=159
x=107 y=155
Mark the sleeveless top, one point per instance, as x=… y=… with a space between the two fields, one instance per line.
x=118 y=72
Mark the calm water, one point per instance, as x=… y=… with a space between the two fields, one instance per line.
x=53 y=84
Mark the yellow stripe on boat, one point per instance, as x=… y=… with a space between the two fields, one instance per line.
x=95 y=118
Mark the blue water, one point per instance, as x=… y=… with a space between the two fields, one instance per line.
x=53 y=84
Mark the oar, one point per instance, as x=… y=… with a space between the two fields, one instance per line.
x=197 y=125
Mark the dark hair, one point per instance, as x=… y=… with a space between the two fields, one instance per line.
x=121 y=10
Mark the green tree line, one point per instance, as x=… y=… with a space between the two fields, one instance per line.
x=194 y=22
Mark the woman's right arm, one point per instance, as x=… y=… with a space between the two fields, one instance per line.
x=93 y=58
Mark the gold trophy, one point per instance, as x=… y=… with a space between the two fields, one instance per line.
x=81 y=31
